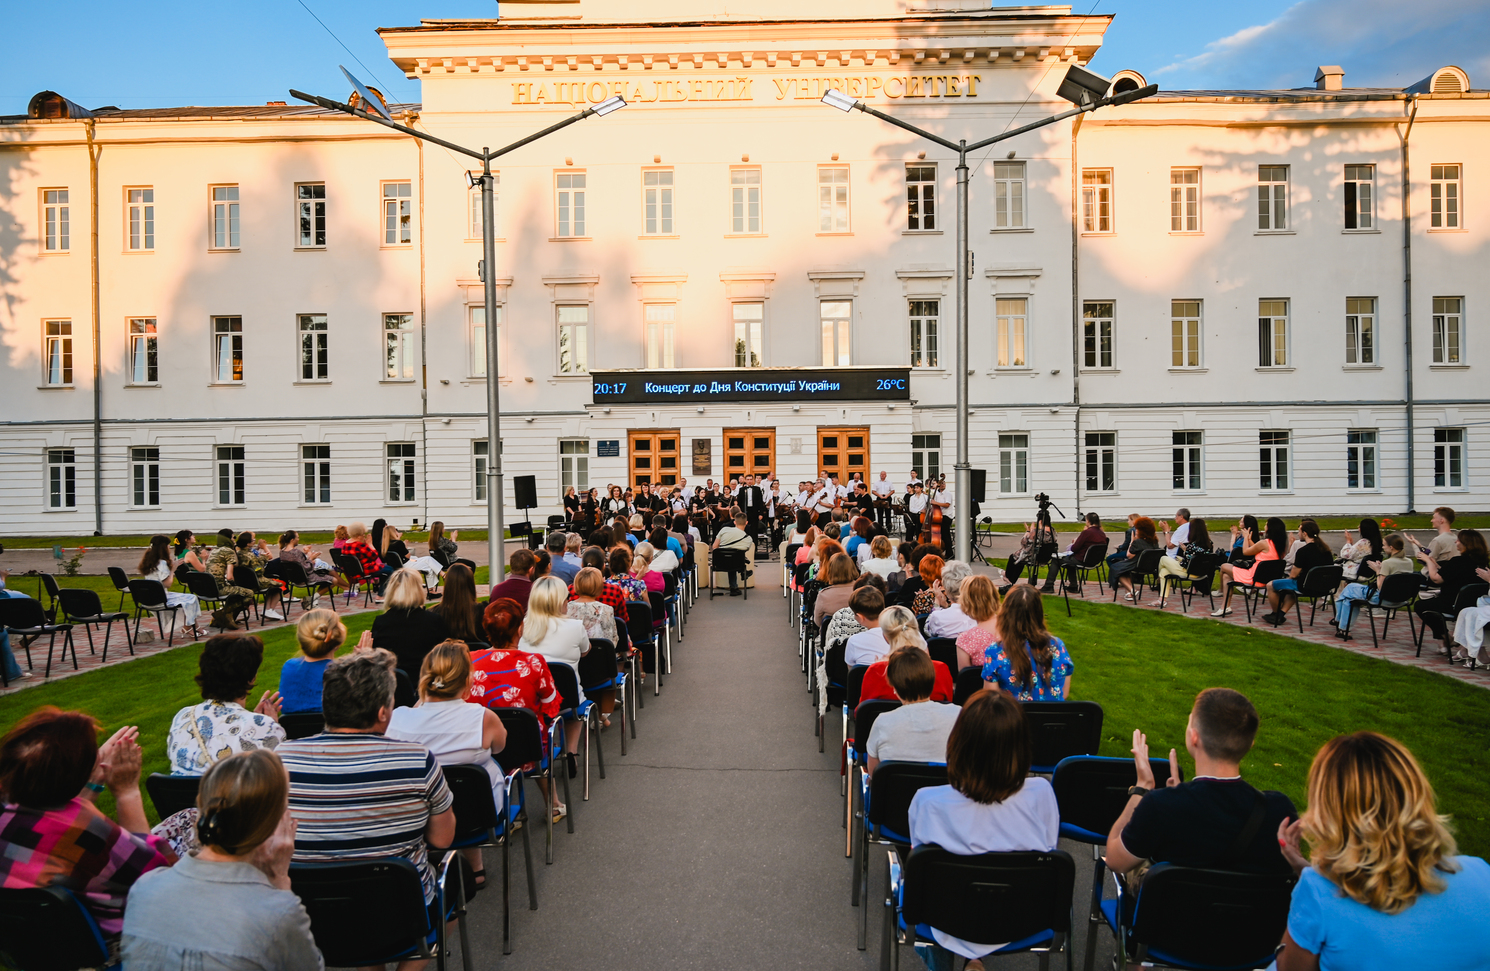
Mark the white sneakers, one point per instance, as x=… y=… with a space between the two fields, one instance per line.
x=273 y=615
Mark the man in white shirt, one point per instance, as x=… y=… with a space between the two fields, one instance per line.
x=822 y=501
x=950 y=621
x=735 y=538
x=803 y=494
x=915 y=507
x=1174 y=542
x=843 y=489
x=944 y=498
x=917 y=731
x=914 y=480
x=883 y=490
x=869 y=645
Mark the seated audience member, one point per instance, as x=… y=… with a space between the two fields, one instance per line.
x=374 y=570
x=459 y=610
x=664 y=558
x=839 y=577
x=881 y=561
x=980 y=600
x=916 y=731
x=1076 y=553
x=1469 y=624
x=230 y=906
x=735 y=537
x=1037 y=546
x=641 y=568
x=844 y=624
x=868 y=646
x=390 y=540
x=519 y=582
x=1448 y=577
x=1177 y=564
x=1272 y=546
x=426 y=566
x=902 y=632
x=353 y=779
x=13 y=670
x=456 y=733
x=1313 y=551
x=905 y=569
x=320 y=575
x=1201 y=823
x=406 y=629
x=1348 y=601
x=1444 y=544
x=156 y=565
x=1355 y=553
x=585 y=605
x=1027 y=661
x=221 y=726
x=185 y=549
x=1121 y=553
x=1383 y=886
x=560 y=565
x=863 y=529
x=930 y=595
x=637 y=526
x=51 y=834
x=547 y=628
x=573 y=544
x=951 y=620
x=540 y=565
x=340 y=537
x=992 y=804
x=444 y=543
x=1144 y=539
x=319 y=633
x=610 y=594
x=621 y=576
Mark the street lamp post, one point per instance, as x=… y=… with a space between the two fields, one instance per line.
x=1088 y=92
x=494 y=524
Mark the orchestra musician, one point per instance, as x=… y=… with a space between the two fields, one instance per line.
x=884 y=492
x=942 y=499
x=915 y=509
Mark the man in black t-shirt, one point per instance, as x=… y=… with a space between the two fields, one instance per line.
x=1308 y=552
x=1215 y=820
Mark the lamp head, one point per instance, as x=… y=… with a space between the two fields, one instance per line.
x=610 y=104
x=836 y=98
x=369 y=101
x=1082 y=87
x=1135 y=94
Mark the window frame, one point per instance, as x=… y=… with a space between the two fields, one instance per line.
x=1189 y=456
x=742 y=189
x=1362 y=460
x=66 y=366
x=842 y=333
x=320 y=356
x=926 y=457
x=918 y=192
x=572 y=474
x=232 y=217
x=1014 y=463
x=579 y=342
x=480 y=457
x=1178 y=197
x=925 y=333
x=231 y=474
x=150 y=338
x=1004 y=333
x=144 y=477
x=1094 y=197
x=1450 y=448
x=473 y=207
x=1099 y=457
x=55 y=223
x=659 y=337
x=139 y=213
x=217 y=347
x=754 y=338
x=835 y=201
x=1272 y=193
x=404 y=213
x=1275 y=461
x=1274 y=335
x=1092 y=335
x=665 y=203
x=315 y=474
x=1188 y=350
x=317 y=215
x=1350 y=194
x=476 y=351
x=1003 y=192
x=1445 y=193
x=1441 y=319
x=405 y=479
x=565 y=203
x=60 y=479
x=1360 y=341
x=404 y=347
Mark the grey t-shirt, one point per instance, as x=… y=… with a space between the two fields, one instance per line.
x=913 y=733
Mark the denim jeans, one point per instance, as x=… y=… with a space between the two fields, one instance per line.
x=1349 y=602
x=12 y=669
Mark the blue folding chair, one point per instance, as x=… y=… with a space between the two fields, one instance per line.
x=480 y=823
x=49 y=929
x=884 y=818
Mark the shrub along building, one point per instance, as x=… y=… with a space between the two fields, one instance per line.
x=271 y=315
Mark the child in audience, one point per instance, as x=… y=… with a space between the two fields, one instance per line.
x=320 y=633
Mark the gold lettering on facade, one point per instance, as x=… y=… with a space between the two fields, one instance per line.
x=867 y=87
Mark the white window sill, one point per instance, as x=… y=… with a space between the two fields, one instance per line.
x=1012 y=371
x=137 y=252
x=402 y=502
x=1101 y=370
x=837 y=233
x=1013 y=229
x=1187 y=492
x=585 y=376
x=397 y=381
x=402 y=246
x=744 y=235
x=1274 y=492
x=1448 y=367
x=478 y=239
x=921 y=232
x=226 y=384
x=1360 y=367
x=231 y=505
x=1188 y=370
x=144 y=384
x=1098 y=232
x=309 y=249
x=1362 y=492
x=1360 y=232
x=224 y=249
x=315 y=505
x=1187 y=232
x=60 y=509
x=1449 y=229
x=1275 y=232
x=1275 y=367
x=311 y=381
x=55 y=387
x=54 y=252
x=1451 y=488
x=658 y=236
x=142 y=508
x=571 y=239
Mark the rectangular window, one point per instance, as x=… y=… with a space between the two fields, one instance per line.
x=1272 y=460
x=1360 y=460
x=749 y=319
x=1272 y=198
x=1008 y=195
x=58 y=351
x=1096 y=200
x=569 y=204
x=62 y=478
x=401 y=472
x=574 y=465
x=926 y=455
x=1448 y=458
x=1014 y=464
x=1184 y=333
x=230 y=475
x=832 y=199
x=315 y=358
x=398 y=213
x=925 y=321
x=1184 y=200
x=478 y=348
x=225 y=218
x=1360 y=211
x=310 y=214
x=1096 y=322
x=836 y=317
x=474 y=217
x=745 y=200
x=659 y=320
x=1448 y=330
x=1012 y=319
x=1360 y=330
x=1272 y=333
x=1101 y=461
x=657 y=202
x=144 y=360
x=227 y=349
x=1444 y=197
x=56 y=237
x=144 y=468
x=316 y=473
x=140 y=219
x=1187 y=449
x=574 y=339
x=480 y=452
x=398 y=347
x=920 y=197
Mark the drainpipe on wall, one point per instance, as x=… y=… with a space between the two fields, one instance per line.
x=94 y=151
x=1412 y=113
x=409 y=119
x=1076 y=335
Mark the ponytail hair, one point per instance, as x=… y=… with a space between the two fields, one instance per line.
x=900 y=628
x=241 y=801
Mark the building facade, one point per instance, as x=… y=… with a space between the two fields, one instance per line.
x=268 y=316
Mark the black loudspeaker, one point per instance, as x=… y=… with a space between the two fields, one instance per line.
x=980 y=482
x=525 y=492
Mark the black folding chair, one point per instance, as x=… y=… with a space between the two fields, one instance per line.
x=856 y=758
x=725 y=561
x=24 y=618
x=54 y=592
x=599 y=670
x=1463 y=600
x=302 y=724
x=1200 y=577
x=1265 y=572
x=49 y=929
x=209 y=594
x=150 y=598
x=293 y=575
x=525 y=746
x=479 y=823
x=1076 y=571
x=834 y=688
x=120 y=579
x=884 y=818
x=1319 y=583
x=944 y=649
x=83 y=608
x=1398 y=592
x=582 y=709
x=172 y=793
x=1186 y=917
x=644 y=638
x=351 y=568
x=662 y=633
x=1059 y=729
x=1023 y=898
x=968 y=682
x=1145 y=572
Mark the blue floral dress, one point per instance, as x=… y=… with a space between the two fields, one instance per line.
x=997 y=669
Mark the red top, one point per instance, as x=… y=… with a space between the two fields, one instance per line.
x=514 y=679
x=877 y=686
x=513 y=588
x=367 y=557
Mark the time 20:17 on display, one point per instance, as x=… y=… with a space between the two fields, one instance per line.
x=618 y=388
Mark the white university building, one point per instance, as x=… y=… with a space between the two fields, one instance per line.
x=271 y=315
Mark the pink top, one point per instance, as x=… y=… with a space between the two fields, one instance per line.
x=1270 y=552
x=654 y=581
x=974 y=643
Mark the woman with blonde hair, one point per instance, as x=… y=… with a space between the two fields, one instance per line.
x=319 y=633
x=1383 y=886
x=1027 y=661
x=641 y=568
x=980 y=601
x=548 y=631
x=901 y=630
x=881 y=561
x=405 y=627
x=456 y=733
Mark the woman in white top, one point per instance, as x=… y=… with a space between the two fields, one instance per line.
x=156 y=565
x=455 y=731
x=991 y=806
x=547 y=630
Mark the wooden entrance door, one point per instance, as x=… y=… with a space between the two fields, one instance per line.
x=655 y=456
x=842 y=451
x=749 y=451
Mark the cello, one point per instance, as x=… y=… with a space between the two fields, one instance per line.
x=931 y=524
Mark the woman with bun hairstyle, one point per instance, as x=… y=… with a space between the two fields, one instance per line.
x=320 y=633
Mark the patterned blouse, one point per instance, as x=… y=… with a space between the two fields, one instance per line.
x=924 y=603
x=225 y=728
x=1051 y=688
x=974 y=643
x=79 y=848
x=633 y=588
x=514 y=679
x=614 y=597
x=599 y=619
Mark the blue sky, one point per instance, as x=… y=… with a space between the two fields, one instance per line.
x=178 y=53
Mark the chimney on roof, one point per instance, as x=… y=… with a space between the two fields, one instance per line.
x=275 y=104
x=1330 y=77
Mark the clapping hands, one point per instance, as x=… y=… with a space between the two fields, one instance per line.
x=269 y=704
x=119 y=760
x=1146 y=771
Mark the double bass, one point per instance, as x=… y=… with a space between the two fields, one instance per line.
x=931 y=524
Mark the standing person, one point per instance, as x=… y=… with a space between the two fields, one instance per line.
x=156 y=565
x=1027 y=661
x=753 y=504
x=571 y=505
x=945 y=499
x=915 y=511
x=824 y=497
x=884 y=494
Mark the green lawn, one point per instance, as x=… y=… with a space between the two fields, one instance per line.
x=1220 y=523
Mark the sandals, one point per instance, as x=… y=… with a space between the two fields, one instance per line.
x=1130 y=598
x=1155 y=603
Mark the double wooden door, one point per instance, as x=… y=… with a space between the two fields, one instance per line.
x=655 y=456
x=843 y=451
x=749 y=451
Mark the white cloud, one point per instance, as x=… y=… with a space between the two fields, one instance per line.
x=1380 y=43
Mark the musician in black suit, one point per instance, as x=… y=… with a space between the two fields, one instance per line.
x=752 y=502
